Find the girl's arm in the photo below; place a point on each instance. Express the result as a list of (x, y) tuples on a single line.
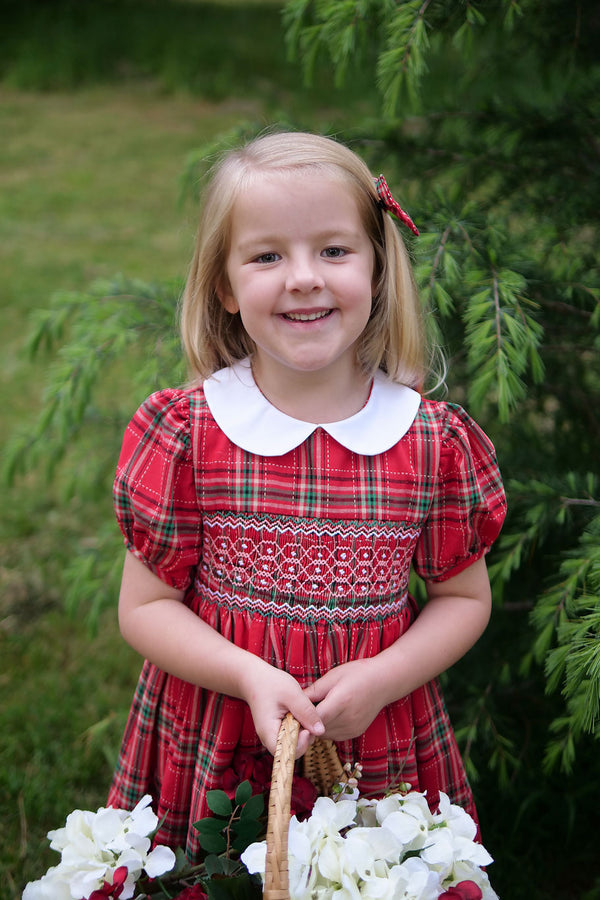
[(349, 697), (155, 622)]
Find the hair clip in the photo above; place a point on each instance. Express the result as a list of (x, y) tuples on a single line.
[(387, 202)]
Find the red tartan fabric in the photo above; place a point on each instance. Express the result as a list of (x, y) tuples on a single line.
[(303, 559)]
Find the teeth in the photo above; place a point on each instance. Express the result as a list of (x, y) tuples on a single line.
[(307, 317)]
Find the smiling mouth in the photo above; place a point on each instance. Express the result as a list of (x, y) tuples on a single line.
[(307, 317)]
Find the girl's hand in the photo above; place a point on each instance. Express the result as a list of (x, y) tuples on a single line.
[(155, 621), (271, 694), (347, 699)]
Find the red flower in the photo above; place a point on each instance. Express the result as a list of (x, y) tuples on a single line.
[(256, 767), (304, 794), (248, 766), (111, 890), (464, 890), (194, 892)]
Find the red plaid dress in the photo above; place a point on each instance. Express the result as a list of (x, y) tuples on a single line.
[(302, 558)]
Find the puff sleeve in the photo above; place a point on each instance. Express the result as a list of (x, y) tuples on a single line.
[(154, 491), (468, 504)]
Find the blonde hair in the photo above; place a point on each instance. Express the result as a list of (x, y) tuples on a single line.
[(394, 339)]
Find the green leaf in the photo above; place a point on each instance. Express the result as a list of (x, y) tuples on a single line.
[(243, 793), (213, 843), (210, 826), (253, 808), (248, 830), (241, 887), (246, 834), (219, 803), (213, 865)]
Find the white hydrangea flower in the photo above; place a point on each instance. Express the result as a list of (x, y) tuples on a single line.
[(388, 849), (94, 845), (383, 844), (414, 880), (464, 871)]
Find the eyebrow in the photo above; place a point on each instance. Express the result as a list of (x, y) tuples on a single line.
[(330, 235)]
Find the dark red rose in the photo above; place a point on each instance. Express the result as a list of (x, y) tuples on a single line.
[(246, 765), (464, 890), (195, 892), (304, 794), (256, 767)]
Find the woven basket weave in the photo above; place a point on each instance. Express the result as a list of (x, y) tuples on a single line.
[(323, 767)]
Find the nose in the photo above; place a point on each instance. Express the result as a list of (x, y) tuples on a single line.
[(303, 275)]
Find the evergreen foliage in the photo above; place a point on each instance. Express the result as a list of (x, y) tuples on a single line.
[(119, 332), (488, 123)]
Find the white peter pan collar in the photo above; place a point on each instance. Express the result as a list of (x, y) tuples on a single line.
[(254, 424)]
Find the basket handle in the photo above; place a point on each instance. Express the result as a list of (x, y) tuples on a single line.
[(276, 886)]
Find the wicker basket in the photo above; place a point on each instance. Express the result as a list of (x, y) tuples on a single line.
[(323, 767)]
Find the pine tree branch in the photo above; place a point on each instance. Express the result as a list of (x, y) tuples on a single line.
[(409, 44), (579, 501), (438, 256), (496, 296), (561, 306)]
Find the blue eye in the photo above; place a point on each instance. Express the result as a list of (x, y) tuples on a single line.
[(333, 252), (267, 258)]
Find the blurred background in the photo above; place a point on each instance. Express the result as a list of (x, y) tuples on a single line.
[(484, 117)]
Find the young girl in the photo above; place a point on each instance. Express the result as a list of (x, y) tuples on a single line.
[(273, 509)]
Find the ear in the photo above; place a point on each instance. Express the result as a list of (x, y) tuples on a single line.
[(227, 298)]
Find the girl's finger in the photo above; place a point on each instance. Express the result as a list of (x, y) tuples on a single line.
[(307, 715), (316, 691), (305, 739)]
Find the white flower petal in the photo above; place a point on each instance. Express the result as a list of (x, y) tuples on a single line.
[(299, 845), (334, 815), (386, 806), (349, 890), (107, 827), (474, 853), (142, 820), (141, 845), (383, 843), (160, 860), (329, 861), (254, 857), (82, 883), (411, 832), (358, 853), (52, 886), (129, 887), (415, 881), (141, 806), (439, 853)]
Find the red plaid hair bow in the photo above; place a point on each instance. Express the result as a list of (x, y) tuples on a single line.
[(387, 202)]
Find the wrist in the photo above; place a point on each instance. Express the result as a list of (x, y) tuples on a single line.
[(387, 679), (249, 678)]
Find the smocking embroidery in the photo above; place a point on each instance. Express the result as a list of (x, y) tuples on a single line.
[(284, 561)]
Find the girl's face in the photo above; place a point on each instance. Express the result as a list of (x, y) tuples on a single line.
[(300, 273)]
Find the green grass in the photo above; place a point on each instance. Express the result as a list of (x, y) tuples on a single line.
[(64, 699)]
